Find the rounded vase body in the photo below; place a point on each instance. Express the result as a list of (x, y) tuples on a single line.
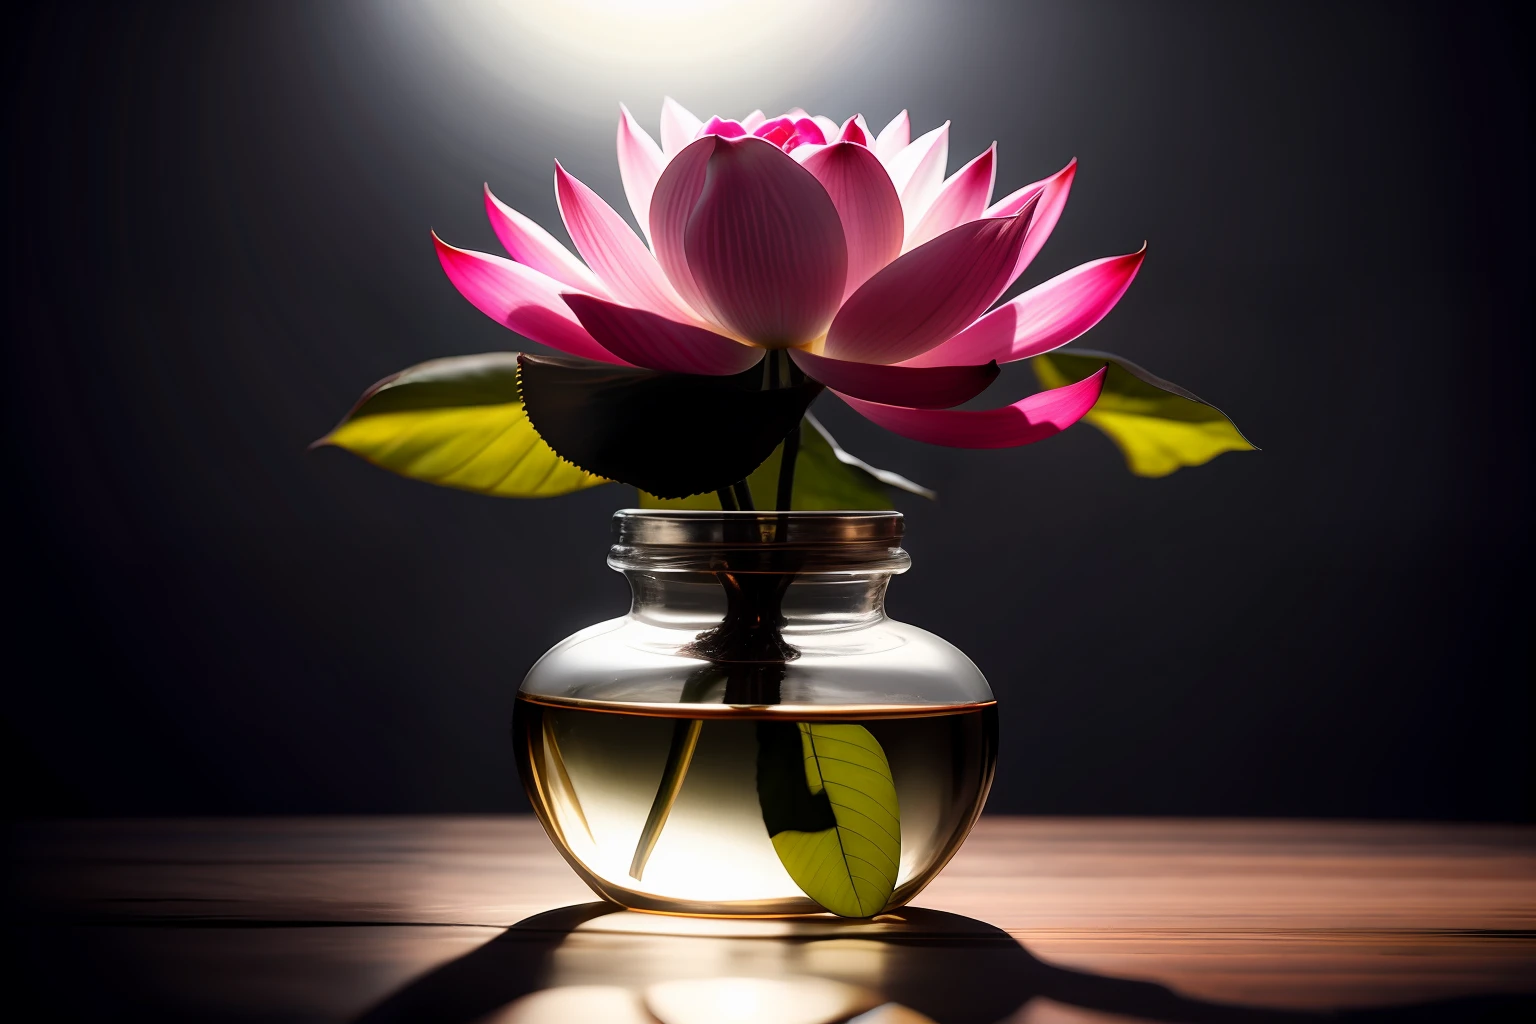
[(756, 737)]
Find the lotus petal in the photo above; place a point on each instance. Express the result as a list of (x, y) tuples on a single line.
[(918, 171), (777, 131), (519, 297), (866, 203), (657, 343), (764, 245), (853, 130), (1024, 422), (1046, 317), (532, 246), (640, 164), (813, 131), (935, 387), (613, 250), (677, 192), (930, 294), (894, 137), (752, 120), (829, 127), (723, 127), (1051, 194), (678, 127), (964, 197)]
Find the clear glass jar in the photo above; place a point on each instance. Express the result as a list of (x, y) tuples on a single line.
[(756, 737)]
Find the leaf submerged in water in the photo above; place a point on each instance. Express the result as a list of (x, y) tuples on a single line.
[(829, 804)]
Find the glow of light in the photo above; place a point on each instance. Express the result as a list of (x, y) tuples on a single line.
[(576, 54)]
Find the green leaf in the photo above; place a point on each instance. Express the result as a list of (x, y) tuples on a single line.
[(459, 423), (1159, 426), (671, 434), (829, 804), (826, 477)]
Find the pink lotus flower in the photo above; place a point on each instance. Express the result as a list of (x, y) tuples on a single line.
[(849, 251)]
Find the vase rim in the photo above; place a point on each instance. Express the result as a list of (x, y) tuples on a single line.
[(834, 540)]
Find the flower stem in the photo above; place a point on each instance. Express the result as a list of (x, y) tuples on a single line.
[(685, 738), (727, 499), (786, 488), (743, 495)]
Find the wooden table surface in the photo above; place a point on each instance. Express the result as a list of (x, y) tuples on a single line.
[(1037, 920)]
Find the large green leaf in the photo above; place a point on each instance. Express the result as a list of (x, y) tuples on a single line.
[(826, 477), (1159, 426), (671, 434), (460, 423), (829, 804)]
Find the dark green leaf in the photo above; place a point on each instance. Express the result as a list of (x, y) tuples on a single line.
[(826, 477), (667, 433)]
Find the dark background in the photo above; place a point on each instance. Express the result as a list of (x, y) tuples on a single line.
[(216, 228)]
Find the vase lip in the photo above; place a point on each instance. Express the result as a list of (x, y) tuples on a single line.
[(836, 541)]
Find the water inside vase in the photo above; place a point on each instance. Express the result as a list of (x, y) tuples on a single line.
[(593, 771)]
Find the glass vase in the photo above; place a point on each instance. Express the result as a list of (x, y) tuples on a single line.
[(756, 737)]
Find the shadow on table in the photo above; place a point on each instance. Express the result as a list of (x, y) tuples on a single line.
[(953, 969)]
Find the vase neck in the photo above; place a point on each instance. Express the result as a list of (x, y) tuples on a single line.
[(804, 602), (750, 576)]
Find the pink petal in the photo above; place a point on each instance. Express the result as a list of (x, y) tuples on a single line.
[(722, 127), (894, 137), (866, 203), (777, 131), (936, 387), (677, 192), (657, 343), (613, 250), (752, 120), (1047, 316), (640, 164), (532, 246), (930, 294), (764, 245), (826, 126), (853, 131), (1052, 193), (1024, 422), (810, 130), (964, 197), (519, 297), (918, 171), (678, 126), (804, 151)]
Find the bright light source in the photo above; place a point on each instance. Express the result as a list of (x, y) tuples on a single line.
[(579, 54)]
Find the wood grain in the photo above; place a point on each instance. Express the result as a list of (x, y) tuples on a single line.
[(1036, 920)]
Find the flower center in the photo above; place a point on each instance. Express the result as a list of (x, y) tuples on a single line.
[(789, 132)]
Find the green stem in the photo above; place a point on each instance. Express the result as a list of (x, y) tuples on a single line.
[(786, 489), (685, 739)]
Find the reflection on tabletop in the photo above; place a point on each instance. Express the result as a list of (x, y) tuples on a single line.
[(595, 962)]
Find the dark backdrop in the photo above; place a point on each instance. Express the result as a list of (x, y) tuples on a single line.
[(216, 228)]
